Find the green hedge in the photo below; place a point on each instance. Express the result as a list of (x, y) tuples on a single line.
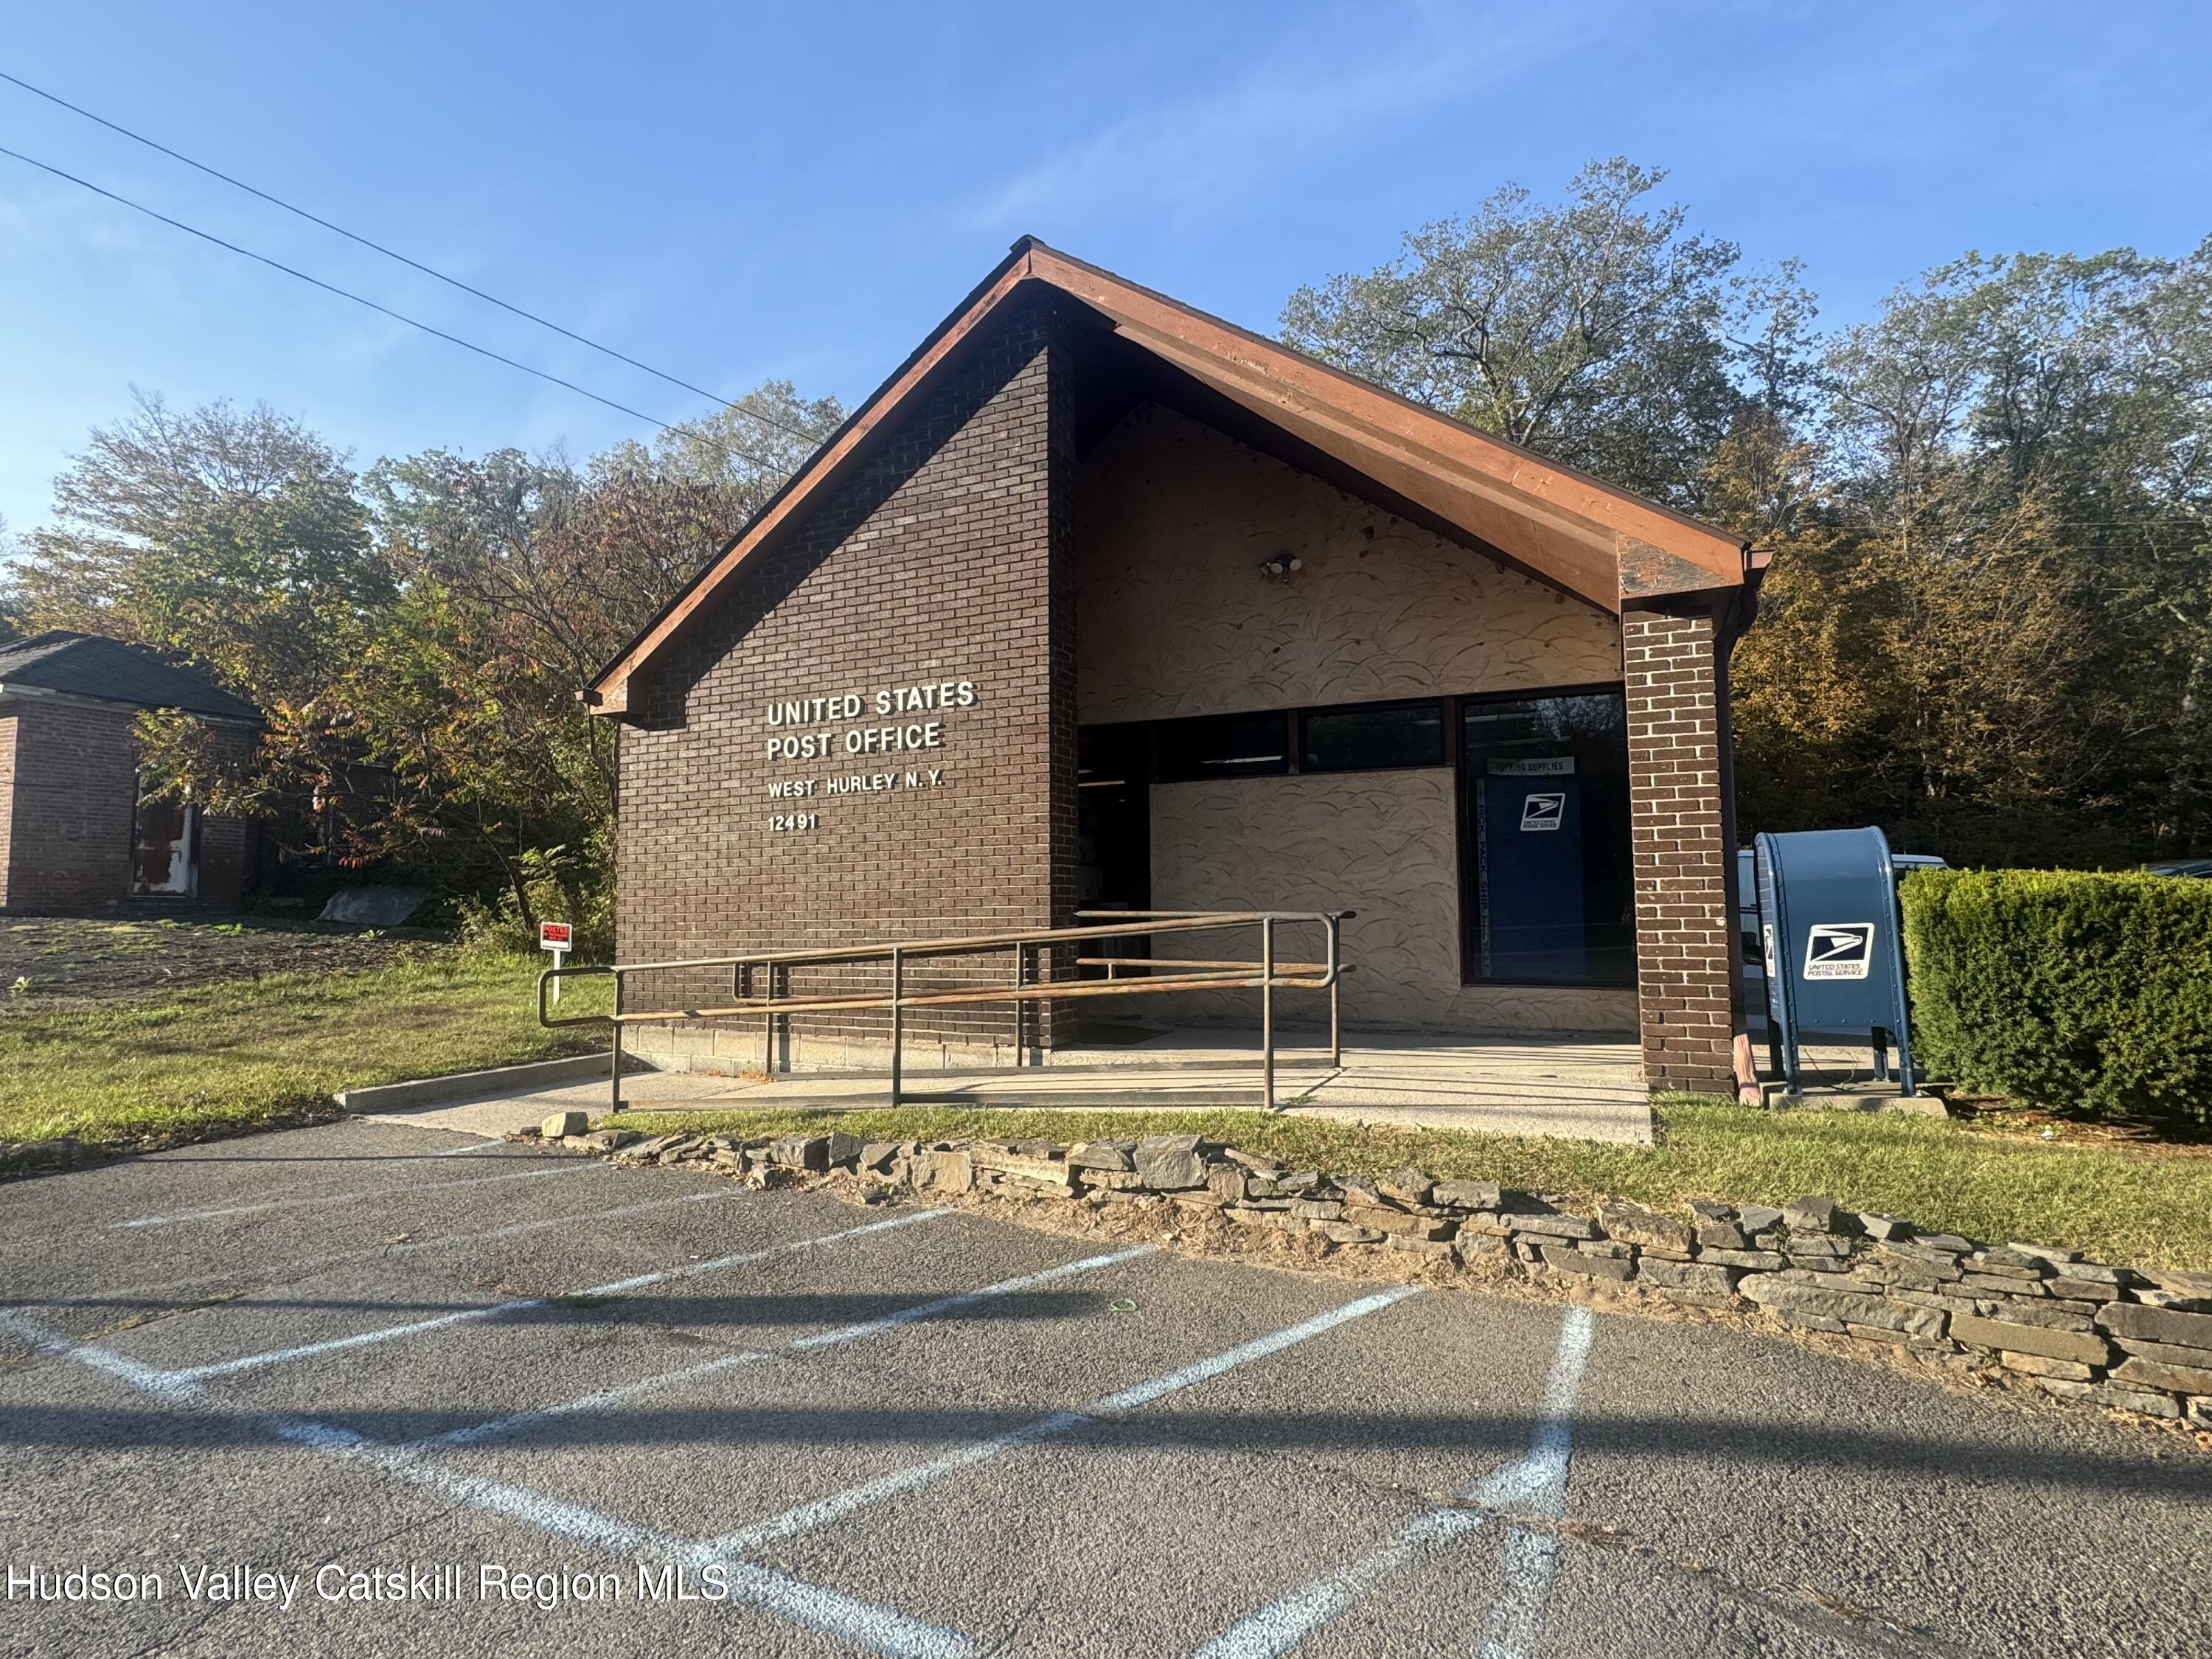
[(2079, 992)]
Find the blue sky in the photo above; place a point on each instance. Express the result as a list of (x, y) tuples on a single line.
[(735, 193)]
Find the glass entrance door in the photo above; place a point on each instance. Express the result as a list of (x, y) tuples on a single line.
[(1547, 896)]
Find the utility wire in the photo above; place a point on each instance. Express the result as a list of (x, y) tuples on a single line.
[(412, 265), (383, 310)]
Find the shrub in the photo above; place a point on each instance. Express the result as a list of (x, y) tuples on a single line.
[(2079, 992), (562, 887)]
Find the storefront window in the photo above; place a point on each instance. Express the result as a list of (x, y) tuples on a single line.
[(1224, 746), (1550, 894), (1372, 736)]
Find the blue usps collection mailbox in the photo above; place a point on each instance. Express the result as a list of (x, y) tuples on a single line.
[(1831, 935)]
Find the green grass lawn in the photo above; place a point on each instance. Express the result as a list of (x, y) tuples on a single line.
[(254, 1054), (233, 1056), (2143, 1205)]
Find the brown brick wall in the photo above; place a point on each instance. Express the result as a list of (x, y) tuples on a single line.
[(1688, 964), (74, 786), (69, 797), (944, 558)]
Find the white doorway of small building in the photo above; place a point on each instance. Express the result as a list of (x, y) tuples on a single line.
[(165, 848)]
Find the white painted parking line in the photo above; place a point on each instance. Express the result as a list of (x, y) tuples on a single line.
[(498, 1309), (1536, 1483), (296, 1266), (315, 1203), (1527, 1559), (824, 1511), (880, 1630), (500, 1428)]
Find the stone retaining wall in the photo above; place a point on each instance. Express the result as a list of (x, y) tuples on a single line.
[(2137, 1340)]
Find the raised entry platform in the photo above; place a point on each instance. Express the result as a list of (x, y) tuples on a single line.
[(1584, 1089)]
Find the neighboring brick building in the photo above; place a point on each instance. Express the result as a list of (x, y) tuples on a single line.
[(1103, 602), (74, 834)]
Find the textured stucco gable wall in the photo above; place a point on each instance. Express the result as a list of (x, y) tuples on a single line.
[(1172, 521)]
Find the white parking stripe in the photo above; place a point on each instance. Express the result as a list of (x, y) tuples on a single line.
[(341, 1198), (1528, 1559), (1534, 1483), (620, 1287), (295, 1267), (824, 1511), (500, 1428), (877, 1629)]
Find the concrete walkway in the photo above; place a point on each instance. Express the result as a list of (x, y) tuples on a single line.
[(1584, 1090)]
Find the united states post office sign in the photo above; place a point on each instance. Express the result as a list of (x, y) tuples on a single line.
[(888, 720), (900, 731)]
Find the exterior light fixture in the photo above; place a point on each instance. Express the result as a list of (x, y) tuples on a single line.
[(1278, 565)]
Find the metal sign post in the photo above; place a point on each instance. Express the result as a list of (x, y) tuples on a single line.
[(558, 937)]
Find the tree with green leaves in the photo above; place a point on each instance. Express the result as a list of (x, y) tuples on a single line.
[(1599, 332)]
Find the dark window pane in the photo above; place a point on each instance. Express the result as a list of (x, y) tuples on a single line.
[(1224, 746), (1551, 894), (1360, 739), (1113, 825)]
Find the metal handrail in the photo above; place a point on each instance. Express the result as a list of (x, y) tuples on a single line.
[(1207, 974)]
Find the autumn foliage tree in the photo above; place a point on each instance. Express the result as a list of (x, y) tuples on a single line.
[(415, 637), (1985, 624)]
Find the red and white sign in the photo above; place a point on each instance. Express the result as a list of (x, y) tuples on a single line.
[(555, 935)]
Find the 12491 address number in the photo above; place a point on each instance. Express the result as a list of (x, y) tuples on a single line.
[(779, 823)]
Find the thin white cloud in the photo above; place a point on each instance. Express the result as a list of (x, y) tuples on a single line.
[(1205, 153)]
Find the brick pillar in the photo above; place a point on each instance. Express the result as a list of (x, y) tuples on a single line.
[(1688, 957)]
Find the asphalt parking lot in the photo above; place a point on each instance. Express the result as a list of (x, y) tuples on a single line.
[(456, 1394)]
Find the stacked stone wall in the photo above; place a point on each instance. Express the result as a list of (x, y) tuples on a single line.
[(2131, 1339)]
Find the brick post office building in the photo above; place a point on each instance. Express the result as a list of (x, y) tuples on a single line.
[(1100, 601)]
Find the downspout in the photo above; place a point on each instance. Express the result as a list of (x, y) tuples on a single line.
[(1733, 622)]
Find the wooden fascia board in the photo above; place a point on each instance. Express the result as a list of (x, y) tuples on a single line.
[(611, 689), (1295, 381)]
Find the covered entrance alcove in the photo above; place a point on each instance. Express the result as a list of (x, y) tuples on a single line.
[(1241, 632)]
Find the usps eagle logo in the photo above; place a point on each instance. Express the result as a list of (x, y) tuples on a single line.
[(1543, 812), (1840, 950)]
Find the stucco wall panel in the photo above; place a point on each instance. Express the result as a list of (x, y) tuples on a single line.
[(1381, 843), (1173, 521)]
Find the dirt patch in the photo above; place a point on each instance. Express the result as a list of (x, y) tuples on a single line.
[(1997, 1115), (49, 964)]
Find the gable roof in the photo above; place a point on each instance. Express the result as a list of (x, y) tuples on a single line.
[(107, 670), (1565, 527)]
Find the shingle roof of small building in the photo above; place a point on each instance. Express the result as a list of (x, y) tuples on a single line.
[(88, 665)]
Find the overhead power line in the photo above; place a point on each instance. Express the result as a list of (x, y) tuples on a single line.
[(411, 263), (386, 311)]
